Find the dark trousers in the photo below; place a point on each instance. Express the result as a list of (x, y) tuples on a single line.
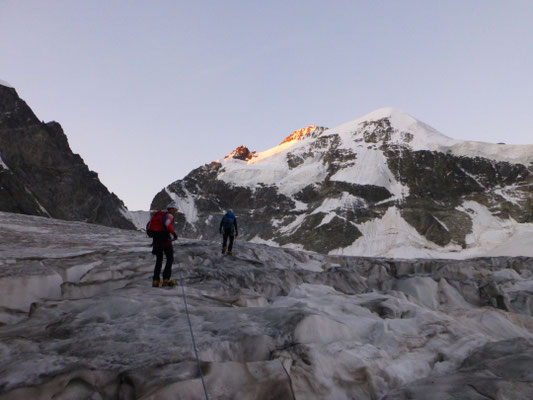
[(227, 234), (169, 254)]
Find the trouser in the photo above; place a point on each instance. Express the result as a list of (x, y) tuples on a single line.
[(169, 254), (227, 234)]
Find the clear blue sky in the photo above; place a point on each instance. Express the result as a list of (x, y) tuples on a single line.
[(146, 91)]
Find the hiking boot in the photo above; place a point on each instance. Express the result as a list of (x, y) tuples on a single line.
[(230, 253), (168, 283), (155, 283), (224, 250)]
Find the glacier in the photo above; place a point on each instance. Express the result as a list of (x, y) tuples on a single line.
[(80, 320)]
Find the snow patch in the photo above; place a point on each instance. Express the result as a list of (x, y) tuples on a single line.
[(138, 218), (327, 219), (294, 224), (441, 224), (391, 236), (273, 171), (371, 168), (510, 194), (185, 205), (493, 236), (346, 201), (2, 163), (513, 153), (37, 201), (257, 239), (299, 205)]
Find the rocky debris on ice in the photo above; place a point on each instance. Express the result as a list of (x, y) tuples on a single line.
[(81, 320)]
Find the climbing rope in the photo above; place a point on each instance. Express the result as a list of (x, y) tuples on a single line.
[(192, 334)]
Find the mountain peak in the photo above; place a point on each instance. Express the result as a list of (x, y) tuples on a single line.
[(399, 119), (241, 153), (6, 84), (300, 133), (393, 125)]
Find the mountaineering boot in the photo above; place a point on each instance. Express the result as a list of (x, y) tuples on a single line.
[(230, 253), (168, 283), (224, 250), (155, 283)]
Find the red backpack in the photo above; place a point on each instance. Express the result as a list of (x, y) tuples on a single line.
[(156, 223)]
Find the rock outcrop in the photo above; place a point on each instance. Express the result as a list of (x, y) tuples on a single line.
[(241, 153), (40, 175)]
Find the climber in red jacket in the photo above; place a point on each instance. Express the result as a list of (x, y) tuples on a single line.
[(161, 229)]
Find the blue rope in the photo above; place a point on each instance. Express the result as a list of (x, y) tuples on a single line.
[(192, 334)]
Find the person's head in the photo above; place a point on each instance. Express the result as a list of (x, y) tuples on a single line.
[(230, 212), (172, 208)]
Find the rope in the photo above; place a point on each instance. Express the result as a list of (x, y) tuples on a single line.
[(192, 334)]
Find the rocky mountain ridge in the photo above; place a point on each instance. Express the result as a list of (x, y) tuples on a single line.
[(385, 184), (39, 174)]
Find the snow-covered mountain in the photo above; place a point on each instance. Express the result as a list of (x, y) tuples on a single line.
[(385, 184), (80, 320), (39, 174)]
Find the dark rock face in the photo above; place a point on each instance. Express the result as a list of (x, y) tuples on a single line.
[(428, 189), (255, 209), (43, 176), (439, 182)]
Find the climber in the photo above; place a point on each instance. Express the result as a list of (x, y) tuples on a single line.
[(228, 229), (161, 229)]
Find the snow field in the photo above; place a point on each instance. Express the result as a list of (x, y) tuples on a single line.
[(389, 236)]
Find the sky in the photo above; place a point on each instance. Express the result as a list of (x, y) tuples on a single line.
[(148, 91)]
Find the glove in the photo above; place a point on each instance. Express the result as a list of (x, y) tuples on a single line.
[(175, 236)]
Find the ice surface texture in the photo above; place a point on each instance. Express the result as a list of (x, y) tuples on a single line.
[(81, 320)]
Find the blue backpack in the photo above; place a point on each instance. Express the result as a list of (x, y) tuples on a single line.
[(228, 220)]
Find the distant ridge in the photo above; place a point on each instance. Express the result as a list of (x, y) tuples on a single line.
[(39, 174)]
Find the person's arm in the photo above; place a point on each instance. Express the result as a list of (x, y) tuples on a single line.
[(169, 224), (236, 230)]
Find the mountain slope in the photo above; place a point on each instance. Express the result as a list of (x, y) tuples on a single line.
[(384, 184), (40, 175)]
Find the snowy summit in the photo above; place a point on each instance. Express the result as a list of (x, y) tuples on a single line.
[(385, 184)]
